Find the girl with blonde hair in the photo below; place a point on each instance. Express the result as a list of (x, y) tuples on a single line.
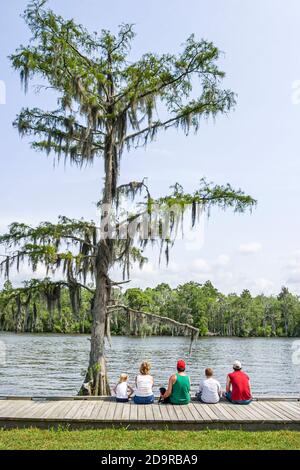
[(122, 390)]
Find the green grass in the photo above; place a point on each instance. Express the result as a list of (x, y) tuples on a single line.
[(122, 439)]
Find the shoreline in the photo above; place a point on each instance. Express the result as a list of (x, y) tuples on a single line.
[(212, 336)]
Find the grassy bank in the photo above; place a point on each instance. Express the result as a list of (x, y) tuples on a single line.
[(110, 439)]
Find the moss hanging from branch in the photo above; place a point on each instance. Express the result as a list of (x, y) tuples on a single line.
[(138, 319), (52, 295)]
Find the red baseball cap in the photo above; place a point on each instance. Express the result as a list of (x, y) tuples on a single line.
[(180, 364)]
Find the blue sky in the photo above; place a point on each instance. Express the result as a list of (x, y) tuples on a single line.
[(256, 147)]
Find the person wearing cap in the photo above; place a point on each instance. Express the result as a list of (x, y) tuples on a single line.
[(238, 388), (178, 392)]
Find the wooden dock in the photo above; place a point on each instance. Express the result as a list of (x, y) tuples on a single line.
[(74, 413)]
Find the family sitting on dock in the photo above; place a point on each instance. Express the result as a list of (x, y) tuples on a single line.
[(238, 388)]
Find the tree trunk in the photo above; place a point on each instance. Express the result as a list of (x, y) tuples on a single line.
[(97, 379), (96, 382)]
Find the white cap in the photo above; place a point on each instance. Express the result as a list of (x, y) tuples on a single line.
[(237, 365)]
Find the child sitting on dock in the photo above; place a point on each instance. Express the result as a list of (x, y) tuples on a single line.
[(122, 390), (209, 389)]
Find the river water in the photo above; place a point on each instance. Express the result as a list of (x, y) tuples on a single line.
[(48, 365)]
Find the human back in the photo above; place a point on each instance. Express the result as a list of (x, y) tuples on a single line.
[(123, 390), (209, 388), (144, 384), (178, 392), (181, 390), (240, 385)]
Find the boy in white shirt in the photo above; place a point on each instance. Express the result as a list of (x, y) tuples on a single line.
[(209, 389)]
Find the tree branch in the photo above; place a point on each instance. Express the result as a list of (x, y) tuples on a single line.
[(184, 327), (166, 124)]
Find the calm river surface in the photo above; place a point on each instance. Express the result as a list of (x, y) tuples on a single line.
[(47, 365)]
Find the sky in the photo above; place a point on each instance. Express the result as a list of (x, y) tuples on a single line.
[(255, 147)]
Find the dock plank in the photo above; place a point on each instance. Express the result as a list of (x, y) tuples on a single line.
[(111, 411), (126, 412), (98, 410), (105, 411), (179, 413), (73, 407), (149, 413), (157, 416), (261, 414), (164, 413), (141, 412), (204, 416), (134, 412), (85, 411), (60, 411), (282, 414), (11, 408), (172, 413), (264, 412), (293, 412), (119, 411), (210, 412), (244, 413), (187, 411), (222, 412), (293, 406), (40, 410)]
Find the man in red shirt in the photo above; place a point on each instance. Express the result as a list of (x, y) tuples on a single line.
[(238, 388)]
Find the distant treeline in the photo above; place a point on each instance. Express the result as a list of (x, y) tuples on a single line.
[(200, 305)]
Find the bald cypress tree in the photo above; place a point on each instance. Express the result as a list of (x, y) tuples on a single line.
[(109, 104)]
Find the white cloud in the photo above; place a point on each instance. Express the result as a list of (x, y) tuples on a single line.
[(225, 276), (4, 223), (200, 265), (26, 273), (263, 285), (293, 275), (296, 254), (250, 248), (294, 278), (293, 264), (173, 268), (147, 272), (222, 260), (161, 151), (174, 274), (292, 268)]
